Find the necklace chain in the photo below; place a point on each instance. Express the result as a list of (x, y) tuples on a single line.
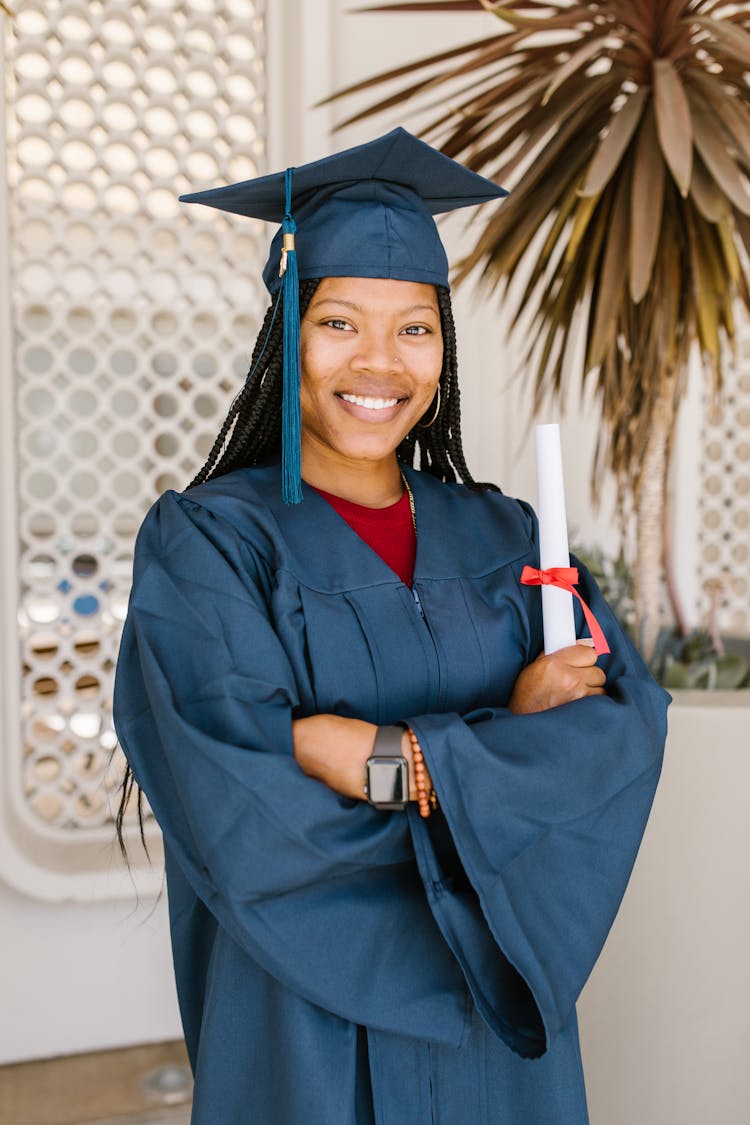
[(412, 509)]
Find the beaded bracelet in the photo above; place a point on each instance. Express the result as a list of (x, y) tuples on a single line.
[(426, 801)]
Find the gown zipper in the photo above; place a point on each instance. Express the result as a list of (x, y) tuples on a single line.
[(438, 668)]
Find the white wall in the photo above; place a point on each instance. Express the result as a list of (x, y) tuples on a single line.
[(664, 1018), (81, 977)]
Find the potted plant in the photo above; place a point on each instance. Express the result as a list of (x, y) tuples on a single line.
[(623, 128), (698, 660)]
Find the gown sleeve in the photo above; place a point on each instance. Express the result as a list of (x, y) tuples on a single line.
[(545, 813), (515, 884), (320, 890)]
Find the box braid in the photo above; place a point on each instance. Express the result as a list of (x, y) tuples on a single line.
[(439, 442), (251, 432)]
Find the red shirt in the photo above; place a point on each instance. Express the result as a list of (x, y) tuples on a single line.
[(389, 531)]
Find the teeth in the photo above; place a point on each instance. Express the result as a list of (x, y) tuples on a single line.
[(370, 403)]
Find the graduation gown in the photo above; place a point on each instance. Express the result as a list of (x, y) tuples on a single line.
[(335, 963)]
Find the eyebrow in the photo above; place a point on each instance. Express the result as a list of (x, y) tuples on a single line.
[(358, 308)]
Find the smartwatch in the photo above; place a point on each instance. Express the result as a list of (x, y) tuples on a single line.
[(387, 785)]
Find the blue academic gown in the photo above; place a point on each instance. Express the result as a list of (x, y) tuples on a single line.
[(337, 965)]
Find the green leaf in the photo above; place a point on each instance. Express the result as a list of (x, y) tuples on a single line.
[(612, 277), (673, 11), (702, 675), (706, 194), (728, 107), (676, 675), (583, 214), (711, 145), (647, 263), (426, 6), (635, 14), (729, 250), (508, 15), (612, 147), (743, 229), (673, 122), (704, 290), (578, 59), (567, 145), (646, 199), (560, 220), (540, 125), (733, 39), (731, 672)]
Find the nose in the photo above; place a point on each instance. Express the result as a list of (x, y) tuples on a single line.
[(376, 352)]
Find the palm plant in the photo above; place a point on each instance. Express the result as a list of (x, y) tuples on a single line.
[(623, 127)]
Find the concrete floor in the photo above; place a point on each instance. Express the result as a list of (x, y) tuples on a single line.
[(145, 1085), (178, 1115)]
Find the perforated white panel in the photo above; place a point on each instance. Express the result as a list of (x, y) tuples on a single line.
[(724, 568), (133, 319)]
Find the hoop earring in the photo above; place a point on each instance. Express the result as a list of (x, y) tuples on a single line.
[(426, 425)]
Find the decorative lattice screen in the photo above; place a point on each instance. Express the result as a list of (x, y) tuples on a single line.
[(724, 566), (133, 317)]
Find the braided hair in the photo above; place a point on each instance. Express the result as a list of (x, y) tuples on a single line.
[(439, 442), (251, 433)]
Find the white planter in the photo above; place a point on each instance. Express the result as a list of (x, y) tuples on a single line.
[(665, 1016)]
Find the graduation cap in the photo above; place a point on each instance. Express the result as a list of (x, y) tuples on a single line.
[(364, 212)]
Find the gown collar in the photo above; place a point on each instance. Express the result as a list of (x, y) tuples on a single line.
[(459, 533)]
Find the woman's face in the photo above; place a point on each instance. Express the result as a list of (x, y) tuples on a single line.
[(372, 352)]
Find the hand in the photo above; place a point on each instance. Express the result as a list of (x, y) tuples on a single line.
[(568, 674), (335, 750)]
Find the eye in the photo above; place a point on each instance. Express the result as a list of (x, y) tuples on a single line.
[(339, 325), (415, 330)]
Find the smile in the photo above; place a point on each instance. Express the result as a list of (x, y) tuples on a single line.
[(370, 403)]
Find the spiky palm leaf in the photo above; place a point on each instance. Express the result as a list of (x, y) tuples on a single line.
[(623, 127)]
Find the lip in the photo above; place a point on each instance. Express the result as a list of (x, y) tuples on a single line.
[(366, 414)]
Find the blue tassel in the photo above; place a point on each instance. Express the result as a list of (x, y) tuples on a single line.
[(291, 480)]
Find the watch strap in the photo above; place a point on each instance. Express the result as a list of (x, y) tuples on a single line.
[(388, 742), (386, 752)]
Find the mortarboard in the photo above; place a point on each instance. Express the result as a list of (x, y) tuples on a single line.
[(364, 212)]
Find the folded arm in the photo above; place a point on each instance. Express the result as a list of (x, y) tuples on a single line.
[(335, 750)]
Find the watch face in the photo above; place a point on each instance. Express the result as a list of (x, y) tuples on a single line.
[(387, 781)]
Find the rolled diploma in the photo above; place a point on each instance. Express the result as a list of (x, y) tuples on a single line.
[(557, 605)]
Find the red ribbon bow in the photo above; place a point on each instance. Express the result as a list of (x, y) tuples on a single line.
[(565, 578)]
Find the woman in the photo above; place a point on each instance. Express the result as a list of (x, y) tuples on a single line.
[(396, 835)]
